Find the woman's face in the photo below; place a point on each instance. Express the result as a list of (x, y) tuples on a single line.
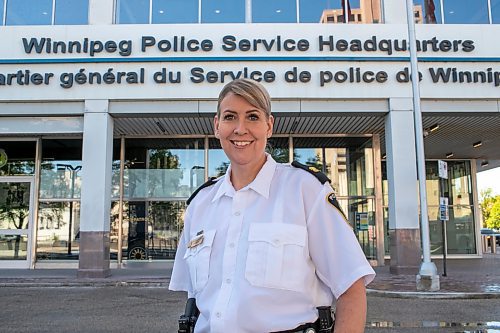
[(243, 131)]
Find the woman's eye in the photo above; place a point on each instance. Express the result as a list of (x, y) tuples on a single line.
[(228, 117), (253, 117)]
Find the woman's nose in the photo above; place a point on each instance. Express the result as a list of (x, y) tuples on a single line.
[(240, 128)]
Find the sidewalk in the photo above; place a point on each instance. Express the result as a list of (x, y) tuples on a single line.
[(466, 278)]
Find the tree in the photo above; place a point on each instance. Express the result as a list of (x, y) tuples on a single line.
[(487, 203), (493, 220)]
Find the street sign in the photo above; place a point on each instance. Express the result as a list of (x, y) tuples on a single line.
[(443, 209), (362, 221), (443, 169)]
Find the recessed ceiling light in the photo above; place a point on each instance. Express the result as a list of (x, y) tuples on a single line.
[(434, 127), (45, 13), (278, 10), (484, 163), (477, 144), (161, 11), (449, 155), (217, 11)]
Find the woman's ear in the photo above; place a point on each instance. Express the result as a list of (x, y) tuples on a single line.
[(216, 127), (270, 124)]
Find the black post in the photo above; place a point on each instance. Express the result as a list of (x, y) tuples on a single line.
[(443, 227)]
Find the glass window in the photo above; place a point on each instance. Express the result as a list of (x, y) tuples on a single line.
[(175, 11), (171, 168), (223, 11), (72, 12), (495, 11), (278, 11), (217, 159), (427, 11), (1, 11), (348, 162), (29, 12), (465, 11), (60, 177), (58, 235), (13, 247), (17, 158), (325, 11), (132, 11)]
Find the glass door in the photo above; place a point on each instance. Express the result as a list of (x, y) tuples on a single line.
[(16, 219)]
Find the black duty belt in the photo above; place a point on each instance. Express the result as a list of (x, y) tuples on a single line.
[(324, 323), (305, 328)]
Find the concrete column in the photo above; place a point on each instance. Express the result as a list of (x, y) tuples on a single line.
[(394, 11), (404, 229), (96, 190), (101, 12)]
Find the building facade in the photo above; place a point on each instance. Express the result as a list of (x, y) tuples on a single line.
[(106, 112)]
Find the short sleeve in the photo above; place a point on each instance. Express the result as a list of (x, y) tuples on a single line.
[(181, 279), (333, 246)]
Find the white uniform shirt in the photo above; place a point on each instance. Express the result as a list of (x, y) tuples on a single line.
[(269, 255)]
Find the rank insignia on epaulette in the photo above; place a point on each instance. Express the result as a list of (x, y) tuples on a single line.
[(313, 169), (332, 199)]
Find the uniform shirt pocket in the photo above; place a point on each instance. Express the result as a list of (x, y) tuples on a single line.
[(276, 256), (198, 259)]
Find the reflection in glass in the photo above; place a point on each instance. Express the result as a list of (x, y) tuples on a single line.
[(1, 11), (360, 213), (460, 234), (58, 235), (60, 174), (278, 11), (427, 11), (29, 12), (495, 11), (151, 229), (175, 11), (14, 205), (162, 169), (60, 179), (13, 247), (465, 11), (20, 158), (71, 12), (132, 11), (223, 11)]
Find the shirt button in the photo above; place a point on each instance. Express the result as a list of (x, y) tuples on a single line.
[(231, 245), (228, 281), (237, 213), (218, 314), (276, 241)]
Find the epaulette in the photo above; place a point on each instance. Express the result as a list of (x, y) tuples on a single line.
[(209, 182), (313, 171)]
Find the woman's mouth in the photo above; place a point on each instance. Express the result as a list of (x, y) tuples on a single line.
[(241, 144)]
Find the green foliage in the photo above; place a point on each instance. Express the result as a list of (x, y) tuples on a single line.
[(493, 220), (490, 208)]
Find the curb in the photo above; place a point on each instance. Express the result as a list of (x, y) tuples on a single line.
[(432, 295)]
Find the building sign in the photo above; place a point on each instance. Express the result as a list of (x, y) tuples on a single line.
[(361, 221), (304, 61), (442, 169), (443, 209)]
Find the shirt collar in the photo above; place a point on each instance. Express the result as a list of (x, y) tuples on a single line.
[(261, 184)]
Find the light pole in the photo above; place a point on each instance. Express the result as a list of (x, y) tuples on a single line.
[(427, 278), (73, 172)]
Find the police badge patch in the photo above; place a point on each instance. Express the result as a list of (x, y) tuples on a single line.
[(332, 199)]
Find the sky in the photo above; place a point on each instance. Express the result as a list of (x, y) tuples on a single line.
[(489, 178)]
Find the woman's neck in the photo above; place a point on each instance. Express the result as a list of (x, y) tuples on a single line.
[(242, 175)]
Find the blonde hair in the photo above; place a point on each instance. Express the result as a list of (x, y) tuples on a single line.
[(251, 91)]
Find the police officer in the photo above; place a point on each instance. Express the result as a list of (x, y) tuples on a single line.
[(266, 244)]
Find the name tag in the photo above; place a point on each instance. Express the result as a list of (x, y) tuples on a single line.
[(196, 241)]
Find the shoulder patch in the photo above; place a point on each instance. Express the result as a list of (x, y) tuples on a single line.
[(209, 182), (332, 199), (312, 170)]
